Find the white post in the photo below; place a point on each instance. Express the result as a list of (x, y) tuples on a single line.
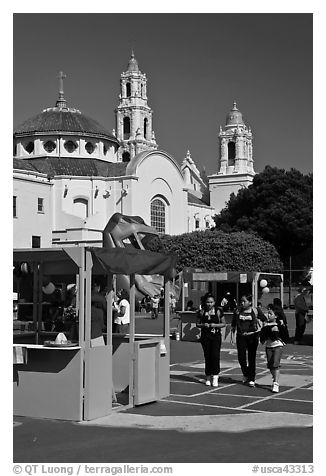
[(132, 340)]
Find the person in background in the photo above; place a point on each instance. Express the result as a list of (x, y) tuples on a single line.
[(246, 321), (98, 315), (301, 310), (210, 320), (228, 303), (122, 316), (272, 336), (203, 300), (190, 306), (173, 303), (143, 303), (161, 299), (155, 302)]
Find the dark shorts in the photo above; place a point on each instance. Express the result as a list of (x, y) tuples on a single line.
[(274, 355)]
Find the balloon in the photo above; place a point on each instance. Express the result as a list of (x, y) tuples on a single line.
[(24, 268), (49, 288), (263, 283), (265, 290)]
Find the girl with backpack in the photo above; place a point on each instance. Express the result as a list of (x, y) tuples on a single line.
[(247, 322), (210, 320), (274, 335)]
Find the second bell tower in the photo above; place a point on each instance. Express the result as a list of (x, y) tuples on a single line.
[(236, 164), (133, 115)]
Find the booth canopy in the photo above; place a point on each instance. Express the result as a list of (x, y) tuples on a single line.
[(133, 261)]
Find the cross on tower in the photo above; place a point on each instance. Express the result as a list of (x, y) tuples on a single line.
[(61, 77)]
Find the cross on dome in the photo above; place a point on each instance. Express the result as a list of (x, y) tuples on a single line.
[(61, 102)]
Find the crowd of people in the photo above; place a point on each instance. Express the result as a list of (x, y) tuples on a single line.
[(250, 325), (156, 303)]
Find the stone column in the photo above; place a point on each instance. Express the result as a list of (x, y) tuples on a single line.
[(223, 155), (123, 89)]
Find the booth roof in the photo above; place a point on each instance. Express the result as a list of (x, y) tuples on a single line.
[(133, 261)]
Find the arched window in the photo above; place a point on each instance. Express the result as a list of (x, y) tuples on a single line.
[(126, 157), (231, 153), (126, 128), (158, 214), (89, 147), (128, 89), (70, 146), (81, 207), (29, 147), (145, 127), (49, 146)]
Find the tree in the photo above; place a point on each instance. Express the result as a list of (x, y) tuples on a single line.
[(277, 206), (219, 251)]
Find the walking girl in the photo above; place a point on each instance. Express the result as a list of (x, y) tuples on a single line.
[(273, 335), (210, 320), (246, 321)]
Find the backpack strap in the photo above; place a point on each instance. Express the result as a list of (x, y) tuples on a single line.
[(258, 323)]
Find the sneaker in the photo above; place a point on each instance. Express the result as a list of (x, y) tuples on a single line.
[(275, 387), (215, 381), (251, 383), (208, 382), (245, 380)]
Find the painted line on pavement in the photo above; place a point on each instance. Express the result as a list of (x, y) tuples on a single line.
[(269, 397), (216, 406)]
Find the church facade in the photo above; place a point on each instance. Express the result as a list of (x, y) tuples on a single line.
[(71, 174)]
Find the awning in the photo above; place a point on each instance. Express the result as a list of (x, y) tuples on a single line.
[(133, 261)]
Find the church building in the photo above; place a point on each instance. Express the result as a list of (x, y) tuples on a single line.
[(71, 174)]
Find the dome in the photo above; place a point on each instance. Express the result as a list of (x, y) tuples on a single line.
[(133, 64), (234, 117), (63, 121)]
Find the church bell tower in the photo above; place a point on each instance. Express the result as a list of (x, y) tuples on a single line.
[(133, 115), (236, 165)]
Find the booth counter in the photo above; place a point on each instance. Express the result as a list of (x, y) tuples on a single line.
[(80, 382)]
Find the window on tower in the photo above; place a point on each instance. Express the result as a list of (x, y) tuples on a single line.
[(145, 127), (126, 157), (126, 128), (231, 153), (128, 90)]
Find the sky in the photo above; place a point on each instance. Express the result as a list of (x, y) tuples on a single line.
[(196, 66)]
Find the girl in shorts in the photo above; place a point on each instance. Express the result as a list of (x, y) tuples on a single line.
[(271, 335)]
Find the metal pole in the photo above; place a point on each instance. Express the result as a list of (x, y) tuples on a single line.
[(109, 299), (290, 281), (166, 318), (183, 296), (35, 305)]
